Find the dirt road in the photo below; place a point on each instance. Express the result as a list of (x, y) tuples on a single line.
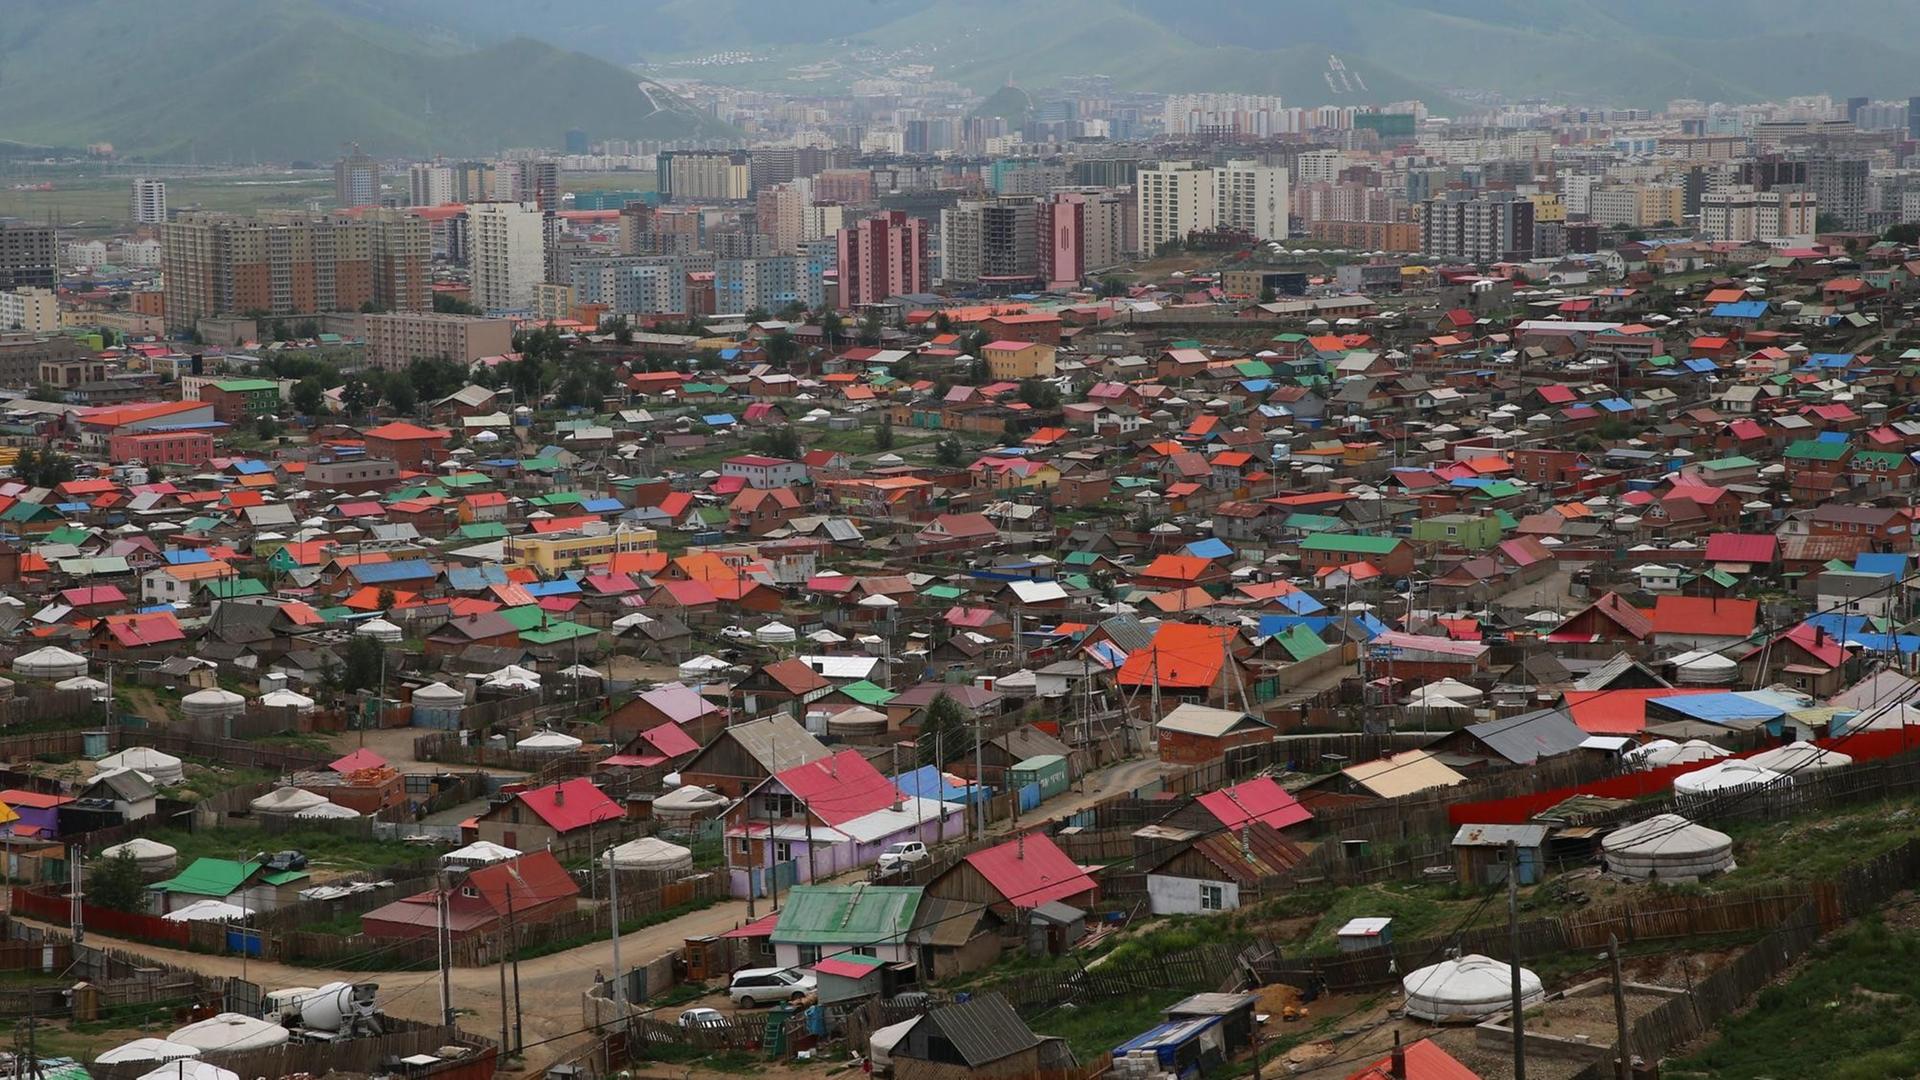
[(550, 986)]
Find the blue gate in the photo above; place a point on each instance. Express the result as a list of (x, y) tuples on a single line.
[(241, 939), (1029, 797)]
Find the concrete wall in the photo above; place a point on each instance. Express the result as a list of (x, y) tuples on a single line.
[(1181, 895)]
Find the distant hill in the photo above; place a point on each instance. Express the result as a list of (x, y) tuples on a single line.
[(279, 79), (1632, 52)]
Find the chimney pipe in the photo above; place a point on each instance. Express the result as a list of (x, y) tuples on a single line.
[(559, 795), (1398, 1070)]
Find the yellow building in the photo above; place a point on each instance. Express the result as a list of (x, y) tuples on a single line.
[(556, 552), (1013, 360), (1547, 207)]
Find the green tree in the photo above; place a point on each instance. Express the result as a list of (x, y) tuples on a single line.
[(943, 734), (400, 394), (833, 328), (42, 468), (883, 435), (622, 330), (1040, 393), (355, 396), (942, 323), (1906, 232), (46, 391), (453, 305), (368, 307), (308, 330), (385, 599), (115, 882), (362, 667), (949, 453), (266, 428), (870, 327), (1112, 286), (782, 349), (780, 442), (309, 397), (1267, 295)]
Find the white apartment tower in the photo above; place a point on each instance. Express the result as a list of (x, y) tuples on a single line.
[(147, 204), (430, 185), (1251, 197), (1175, 198), (508, 252)]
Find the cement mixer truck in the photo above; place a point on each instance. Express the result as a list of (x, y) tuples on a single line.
[(336, 1010)]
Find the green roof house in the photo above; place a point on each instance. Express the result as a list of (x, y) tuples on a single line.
[(823, 920)]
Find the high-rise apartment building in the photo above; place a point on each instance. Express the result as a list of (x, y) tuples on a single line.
[(1062, 224), (29, 255), (394, 341), (766, 284), (32, 310), (1252, 198), (1176, 200), (790, 214), (430, 185), (291, 264), (1742, 214), (632, 284), (1477, 227), (401, 249), (147, 202), (481, 181), (537, 181), (356, 179), (882, 257), (1840, 187), (960, 243), (704, 175), (506, 246)]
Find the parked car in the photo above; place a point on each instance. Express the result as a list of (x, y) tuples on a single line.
[(903, 854), (703, 1018), (768, 986)]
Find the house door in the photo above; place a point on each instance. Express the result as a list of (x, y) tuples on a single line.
[(510, 838)]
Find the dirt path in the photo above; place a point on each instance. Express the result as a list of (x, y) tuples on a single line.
[(396, 745), (550, 986)]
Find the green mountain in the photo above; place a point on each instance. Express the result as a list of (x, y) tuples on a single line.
[(1639, 52), (279, 79)]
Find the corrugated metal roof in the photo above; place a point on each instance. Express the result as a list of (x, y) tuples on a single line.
[(847, 914), (1500, 835), (983, 1029)]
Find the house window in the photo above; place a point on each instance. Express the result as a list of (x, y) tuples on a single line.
[(746, 846), (809, 954), (469, 892), (1212, 898), (782, 851)]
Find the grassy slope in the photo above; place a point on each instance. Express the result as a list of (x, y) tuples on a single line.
[(284, 78), (1850, 1014)]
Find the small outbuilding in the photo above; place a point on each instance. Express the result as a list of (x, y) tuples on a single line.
[(1480, 853)]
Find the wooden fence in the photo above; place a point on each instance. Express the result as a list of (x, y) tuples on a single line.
[(41, 744), (368, 1055), (1671, 917), (235, 752), (479, 950)]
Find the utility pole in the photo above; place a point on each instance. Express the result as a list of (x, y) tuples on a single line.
[(1622, 1054), (500, 943), (619, 975), (76, 856), (1513, 960), (513, 929), (445, 941), (980, 775)]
